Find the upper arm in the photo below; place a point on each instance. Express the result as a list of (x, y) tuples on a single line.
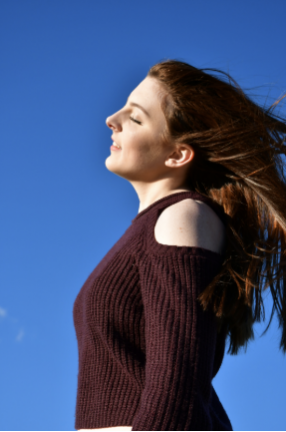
[(190, 223)]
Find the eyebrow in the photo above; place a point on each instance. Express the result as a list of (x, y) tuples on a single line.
[(139, 106)]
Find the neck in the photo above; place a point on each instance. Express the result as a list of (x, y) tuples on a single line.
[(148, 193)]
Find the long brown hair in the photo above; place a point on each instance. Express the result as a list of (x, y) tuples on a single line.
[(238, 163)]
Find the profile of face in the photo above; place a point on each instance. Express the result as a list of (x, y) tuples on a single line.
[(140, 152)]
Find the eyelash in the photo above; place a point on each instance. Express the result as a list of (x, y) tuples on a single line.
[(136, 121)]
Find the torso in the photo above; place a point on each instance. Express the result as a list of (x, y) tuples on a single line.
[(98, 291)]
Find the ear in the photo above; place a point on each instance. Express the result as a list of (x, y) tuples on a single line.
[(182, 155)]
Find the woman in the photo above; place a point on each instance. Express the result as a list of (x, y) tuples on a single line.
[(152, 318)]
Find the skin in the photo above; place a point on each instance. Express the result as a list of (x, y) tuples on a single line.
[(154, 168), (157, 166)]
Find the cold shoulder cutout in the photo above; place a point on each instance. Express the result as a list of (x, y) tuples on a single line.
[(190, 223)]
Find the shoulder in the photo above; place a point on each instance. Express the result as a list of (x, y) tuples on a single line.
[(190, 223)]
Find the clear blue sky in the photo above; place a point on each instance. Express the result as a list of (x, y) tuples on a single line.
[(65, 66)]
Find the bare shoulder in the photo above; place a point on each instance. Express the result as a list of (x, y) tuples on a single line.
[(190, 223)]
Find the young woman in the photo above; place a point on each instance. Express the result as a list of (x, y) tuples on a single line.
[(153, 317)]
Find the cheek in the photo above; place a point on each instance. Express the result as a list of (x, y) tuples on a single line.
[(146, 151), (143, 149), (136, 146)]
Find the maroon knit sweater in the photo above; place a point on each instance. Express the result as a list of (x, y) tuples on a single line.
[(147, 351)]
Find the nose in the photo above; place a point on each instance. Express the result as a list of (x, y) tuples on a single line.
[(113, 122)]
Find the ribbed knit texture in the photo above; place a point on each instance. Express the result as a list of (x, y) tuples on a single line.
[(147, 351)]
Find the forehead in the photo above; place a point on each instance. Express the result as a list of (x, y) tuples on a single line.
[(149, 92)]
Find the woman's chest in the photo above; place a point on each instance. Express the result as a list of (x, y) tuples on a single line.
[(109, 306)]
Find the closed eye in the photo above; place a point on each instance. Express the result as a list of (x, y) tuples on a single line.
[(136, 121)]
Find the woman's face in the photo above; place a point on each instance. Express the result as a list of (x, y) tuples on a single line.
[(139, 150)]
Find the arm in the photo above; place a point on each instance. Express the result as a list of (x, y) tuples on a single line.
[(180, 337), (180, 343)]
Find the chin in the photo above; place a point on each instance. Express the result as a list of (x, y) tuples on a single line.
[(108, 163), (111, 166), (127, 174)]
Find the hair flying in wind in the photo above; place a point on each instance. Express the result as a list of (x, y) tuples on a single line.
[(238, 163)]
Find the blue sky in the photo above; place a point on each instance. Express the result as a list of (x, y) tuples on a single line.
[(66, 65)]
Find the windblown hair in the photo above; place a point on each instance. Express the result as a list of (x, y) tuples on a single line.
[(238, 163)]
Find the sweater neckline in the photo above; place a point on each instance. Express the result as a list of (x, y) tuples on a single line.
[(161, 200)]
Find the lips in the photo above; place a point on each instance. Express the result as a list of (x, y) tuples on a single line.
[(113, 148), (115, 144)]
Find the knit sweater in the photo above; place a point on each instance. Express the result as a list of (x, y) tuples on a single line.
[(147, 350)]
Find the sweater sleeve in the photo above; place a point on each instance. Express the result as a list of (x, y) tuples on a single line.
[(180, 340)]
